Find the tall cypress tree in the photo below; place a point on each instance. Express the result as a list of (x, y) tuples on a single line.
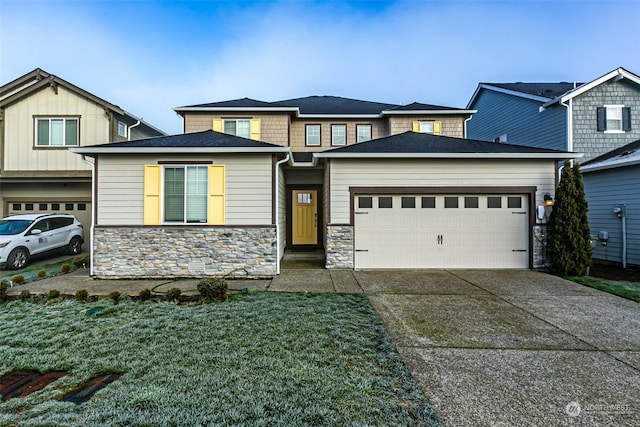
[(569, 239)]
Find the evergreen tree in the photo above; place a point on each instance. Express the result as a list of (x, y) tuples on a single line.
[(569, 238)]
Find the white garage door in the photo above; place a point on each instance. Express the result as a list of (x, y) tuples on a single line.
[(441, 231), (81, 210)]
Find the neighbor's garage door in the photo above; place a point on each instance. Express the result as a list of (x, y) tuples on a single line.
[(81, 210), (441, 231)]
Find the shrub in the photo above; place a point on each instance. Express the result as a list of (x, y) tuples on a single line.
[(18, 279), (82, 295), (64, 268), (42, 273), (25, 295), (214, 289), (145, 294), (114, 296), (53, 294), (174, 294), (4, 286), (82, 262)]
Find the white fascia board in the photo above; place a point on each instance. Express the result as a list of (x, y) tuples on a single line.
[(619, 73), (611, 165), (126, 113), (339, 116), (551, 156), (427, 112), (176, 150), (247, 109), (511, 92)]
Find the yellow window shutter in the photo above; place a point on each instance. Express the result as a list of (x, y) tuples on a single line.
[(437, 128), (152, 181), (255, 129), (216, 194), (217, 125), (416, 126)]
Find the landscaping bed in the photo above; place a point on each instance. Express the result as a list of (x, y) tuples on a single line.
[(261, 359)]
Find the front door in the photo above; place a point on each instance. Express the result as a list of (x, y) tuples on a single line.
[(305, 217)]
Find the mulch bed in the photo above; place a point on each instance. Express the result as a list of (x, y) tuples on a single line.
[(615, 272)]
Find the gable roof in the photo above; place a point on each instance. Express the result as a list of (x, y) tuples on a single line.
[(627, 155), (423, 145), (324, 106), (207, 141), (617, 74), (38, 79), (541, 92)]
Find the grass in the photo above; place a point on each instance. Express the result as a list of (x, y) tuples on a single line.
[(263, 359), (629, 290), (30, 272)]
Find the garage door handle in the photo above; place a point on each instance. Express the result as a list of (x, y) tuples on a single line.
[(361, 213), (519, 213), (518, 250), (362, 250), (440, 239)]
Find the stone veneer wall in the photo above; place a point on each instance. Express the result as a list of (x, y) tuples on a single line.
[(540, 253), (121, 252), (339, 246)]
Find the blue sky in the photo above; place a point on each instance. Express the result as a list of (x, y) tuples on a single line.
[(149, 56)]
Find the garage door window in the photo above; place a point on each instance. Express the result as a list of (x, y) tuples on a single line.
[(408, 202), (494, 202), (365, 202), (471, 203), (514, 202), (451, 203), (428, 202), (385, 202)]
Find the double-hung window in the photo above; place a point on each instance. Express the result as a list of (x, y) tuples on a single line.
[(613, 118), (338, 134), (57, 131), (363, 133), (185, 194), (312, 137), (428, 126), (122, 129), (237, 127)]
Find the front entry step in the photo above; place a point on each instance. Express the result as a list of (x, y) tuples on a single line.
[(294, 259)]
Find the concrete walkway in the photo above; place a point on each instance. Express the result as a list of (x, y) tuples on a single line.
[(487, 347)]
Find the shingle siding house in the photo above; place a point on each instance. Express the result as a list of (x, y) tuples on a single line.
[(41, 117), (371, 185), (613, 181), (591, 118)]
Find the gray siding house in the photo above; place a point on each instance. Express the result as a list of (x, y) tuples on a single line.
[(612, 186), (591, 118)]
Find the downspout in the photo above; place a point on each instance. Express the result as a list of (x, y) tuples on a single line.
[(93, 211), (276, 171), (131, 127), (465, 126)]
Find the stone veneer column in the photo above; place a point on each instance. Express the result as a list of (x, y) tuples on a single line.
[(339, 246), (121, 252)]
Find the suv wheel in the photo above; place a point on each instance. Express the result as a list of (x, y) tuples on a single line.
[(75, 246), (17, 259)]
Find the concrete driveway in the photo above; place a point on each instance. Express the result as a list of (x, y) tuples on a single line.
[(512, 347)]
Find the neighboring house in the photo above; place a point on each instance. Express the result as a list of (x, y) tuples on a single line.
[(207, 202), (612, 186), (591, 118), (41, 117)]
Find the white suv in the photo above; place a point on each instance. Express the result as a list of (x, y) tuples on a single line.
[(22, 236)]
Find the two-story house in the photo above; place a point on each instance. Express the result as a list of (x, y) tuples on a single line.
[(41, 117), (591, 118), (371, 185)]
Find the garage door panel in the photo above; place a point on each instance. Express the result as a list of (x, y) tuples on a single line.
[(475, 236)]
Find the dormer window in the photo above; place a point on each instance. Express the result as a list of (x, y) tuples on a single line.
[(57, 131)]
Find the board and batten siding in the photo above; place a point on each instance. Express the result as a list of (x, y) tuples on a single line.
[(518, 118), (605, 189), (248, 187), (20, 153), (433, 173)]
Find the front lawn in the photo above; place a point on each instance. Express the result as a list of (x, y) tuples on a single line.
[(263, 359), (629, 290)]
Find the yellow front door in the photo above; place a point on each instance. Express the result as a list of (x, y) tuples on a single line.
[(305, 217)]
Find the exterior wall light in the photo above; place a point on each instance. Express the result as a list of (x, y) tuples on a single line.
[(548, 200)]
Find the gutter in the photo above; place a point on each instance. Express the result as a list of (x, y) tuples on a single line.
[(554, 156), (277, 189), (93, 211)]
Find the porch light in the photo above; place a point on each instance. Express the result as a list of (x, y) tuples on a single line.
[(548, 200)]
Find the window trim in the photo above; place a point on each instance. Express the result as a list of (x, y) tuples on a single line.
[(422, 122), (333, 134), (361, 126), (38, 118), (122, 125), (236, 120), (306, 134), (624, 121), (184, 195)]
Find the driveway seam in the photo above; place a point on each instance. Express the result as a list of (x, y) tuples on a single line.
[(595, 347)]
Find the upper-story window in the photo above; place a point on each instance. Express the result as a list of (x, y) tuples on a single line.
[(428, 126), (338, 134), (237, 127), (502, 138), (363, 133), (122, 129), (614, 118), (57, 131), (312, 137)]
